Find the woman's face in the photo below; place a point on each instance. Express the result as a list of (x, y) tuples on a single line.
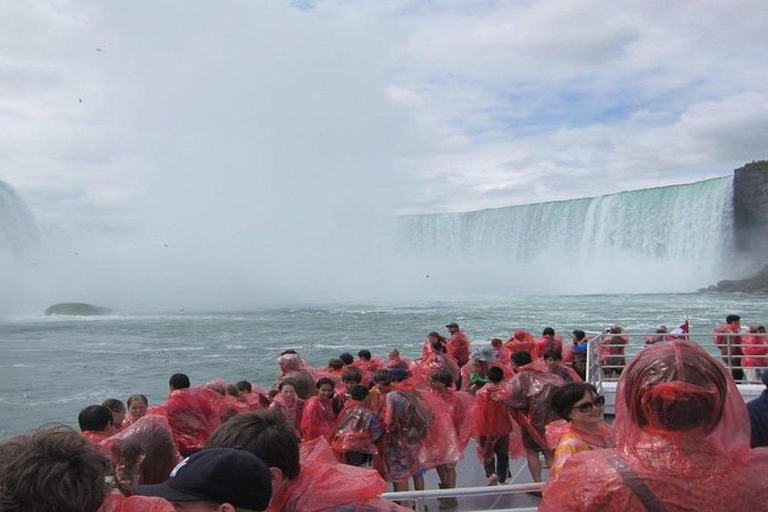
[(118, 417), (137, 409), (288, 393), (325, 392), (588, 411)]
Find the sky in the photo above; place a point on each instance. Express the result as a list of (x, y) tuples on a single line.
[(212, 122)]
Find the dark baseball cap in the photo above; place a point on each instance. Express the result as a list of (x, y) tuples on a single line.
[(452, 324), (220, 475)]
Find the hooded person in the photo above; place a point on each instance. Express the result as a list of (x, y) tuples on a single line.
[(357, 430), (612, 347), (473, 374), (318, 419), (682, 443), (193, 413), (144, 453), (754, 346), (459, 345), (529, 394), (293, 367), (521, 341), (546, 342)]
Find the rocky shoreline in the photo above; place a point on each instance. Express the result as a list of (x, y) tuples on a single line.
[(756, 283)]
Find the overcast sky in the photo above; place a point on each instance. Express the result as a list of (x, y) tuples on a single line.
[(115, 113)]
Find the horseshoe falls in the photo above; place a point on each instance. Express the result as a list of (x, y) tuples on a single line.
[(667, 239)]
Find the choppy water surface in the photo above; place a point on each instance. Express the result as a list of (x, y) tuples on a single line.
[(51, 367)]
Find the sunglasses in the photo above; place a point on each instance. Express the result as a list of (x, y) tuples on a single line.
[(599, 401)]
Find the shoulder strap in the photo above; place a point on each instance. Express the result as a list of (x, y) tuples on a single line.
[(637, 485)]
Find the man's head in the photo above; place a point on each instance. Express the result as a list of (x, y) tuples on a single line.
[(548, 331), (553, 357), (244, 387), (52, 468), (365, 355), (266, 435), (347, 358), (95, 418), (579, 335), (358, 393), (335, 364), (351, 377), (441, 379), (495, 374), (216, 480), (178, 381), (734, 320), (453, 327), (521, 358)]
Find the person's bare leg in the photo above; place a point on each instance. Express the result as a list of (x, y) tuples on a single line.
[(534, 466), (450, 474), (401, 487), (418, 482)]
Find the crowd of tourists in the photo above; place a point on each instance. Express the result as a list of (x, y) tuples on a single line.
[(331, 438)]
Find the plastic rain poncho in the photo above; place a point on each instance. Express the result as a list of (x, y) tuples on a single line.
[(325, 485), (193, 414), (358, 429), (408, 421), (682, 434), (529, 394), (318, 419), (144, 453)]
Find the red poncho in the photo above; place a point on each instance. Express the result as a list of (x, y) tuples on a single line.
[(317, 419), (144, 453), (358, 429), (193, 414), (459, 346), (462, 408), (407, 420), (546, 343), (325, 485), (521, 341), (291, 412), (682, 441)]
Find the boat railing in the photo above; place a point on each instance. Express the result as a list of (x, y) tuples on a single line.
[(419, 497), (603, 367)]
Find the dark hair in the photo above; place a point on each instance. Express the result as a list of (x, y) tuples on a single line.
[(266, 435), (382, 377), (496, 341), (244, 385), (145, 456), (95, 418), (495, 374), (358, 392), (353, 375), (521, 358), (364, 354), (347, 358), (732, 318), (335, 364), (439, 347), (233, 390), (289, 351), (134, 398), (286, 382), (442, 376), (398, 374), (435, 334), (114, 405), (579, 335), (52, 468), (324, 381), (548, 331), (179, 381), (567, 395), (553, 354)]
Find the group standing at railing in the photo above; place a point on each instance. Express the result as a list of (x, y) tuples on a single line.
[(679, 418)]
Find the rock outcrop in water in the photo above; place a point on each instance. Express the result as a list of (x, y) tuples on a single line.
[(77, 309), (756, 283)]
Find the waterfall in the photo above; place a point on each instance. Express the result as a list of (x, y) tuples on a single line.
[(18, 230), (653, 234)]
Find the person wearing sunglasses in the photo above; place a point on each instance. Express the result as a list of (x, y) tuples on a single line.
[(682, 443), (583, 429)]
